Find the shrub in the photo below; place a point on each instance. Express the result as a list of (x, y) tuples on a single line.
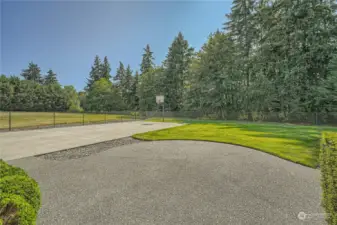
[(8, 170), (328, 161), (14, 210), (23, 186)]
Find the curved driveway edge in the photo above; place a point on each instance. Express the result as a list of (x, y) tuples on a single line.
[(175, 182), (20, 144)]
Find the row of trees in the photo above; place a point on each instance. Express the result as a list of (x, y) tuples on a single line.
[(271, 56), (36, 93)]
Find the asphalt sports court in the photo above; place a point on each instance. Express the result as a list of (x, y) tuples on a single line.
[(164, 182)]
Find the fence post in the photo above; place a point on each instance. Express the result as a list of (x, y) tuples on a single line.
[(105, 117), (54, 119), (9, 120), (83, 118), (122, 118), (316, 119)]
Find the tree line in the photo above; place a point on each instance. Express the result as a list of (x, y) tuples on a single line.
[(36, 92), (270, 56)]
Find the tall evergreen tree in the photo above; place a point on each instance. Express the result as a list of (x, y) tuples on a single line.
[(106, 69), (147, 60), (134, 92), (95, 73), (213, 87), (297, 45), (242, 29), (149, 86), (176, 66), (32, 73), (126, 87), (50, 78), (120, 74)]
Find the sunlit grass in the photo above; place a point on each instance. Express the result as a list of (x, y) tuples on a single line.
[(299, 144), (35, 119)]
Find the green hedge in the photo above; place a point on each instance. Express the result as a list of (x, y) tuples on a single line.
[(17, 210), (7, 170), (328, 163), (23, 186), (20, 197)]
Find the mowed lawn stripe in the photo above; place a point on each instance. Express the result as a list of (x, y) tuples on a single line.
[(299, 144)]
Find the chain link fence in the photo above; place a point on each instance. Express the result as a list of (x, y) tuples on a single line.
[(31, 120), (301, 118)]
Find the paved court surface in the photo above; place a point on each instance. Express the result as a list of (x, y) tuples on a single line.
[(175, 182), (19, 144)]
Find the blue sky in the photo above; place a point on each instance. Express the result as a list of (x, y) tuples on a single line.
[(66, 36)]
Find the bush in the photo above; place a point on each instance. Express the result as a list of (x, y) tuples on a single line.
[(23, 186), (15, 210), (8, 170), (328, 163)]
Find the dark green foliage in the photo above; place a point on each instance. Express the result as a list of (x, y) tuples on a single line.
[(149, 86), (328, 164), (212, 83), (176, 67), (23, 186), (106, 69), (27, 95), (6, 92), (134, 93), (14, 210), (120, 74), (32, 73), (103, 97), (274, 57), (147, 61), (50, 78), (126, 87), (95, 73)]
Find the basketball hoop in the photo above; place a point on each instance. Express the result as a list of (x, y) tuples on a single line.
[(160, 99)]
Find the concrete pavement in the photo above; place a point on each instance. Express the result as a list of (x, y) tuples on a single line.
[(20, 144), (175, 182)]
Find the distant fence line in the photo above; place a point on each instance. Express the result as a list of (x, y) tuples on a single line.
[(14, 120)]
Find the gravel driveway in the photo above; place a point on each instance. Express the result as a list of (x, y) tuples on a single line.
[(173, 182)]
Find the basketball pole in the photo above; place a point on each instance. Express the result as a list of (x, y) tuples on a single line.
[(163, 110)]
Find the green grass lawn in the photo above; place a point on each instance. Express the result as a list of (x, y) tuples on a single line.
[(35, 119), (299, 144)]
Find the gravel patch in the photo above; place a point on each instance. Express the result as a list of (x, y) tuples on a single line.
[(84, 151)]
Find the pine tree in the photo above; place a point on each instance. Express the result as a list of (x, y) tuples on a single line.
[(95, 73), (148, 88), (134, 92), (33, 73), (120, 74), (214, 85), (176, 66), (50, 78), (126, 87), (147, 60), (242, 30), (106, 69)]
